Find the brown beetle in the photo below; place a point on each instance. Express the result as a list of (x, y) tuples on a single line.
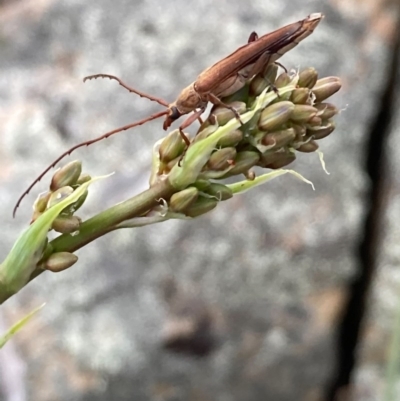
[(222, 79)]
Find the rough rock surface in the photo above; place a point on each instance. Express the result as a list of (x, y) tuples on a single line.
[(259, 282)]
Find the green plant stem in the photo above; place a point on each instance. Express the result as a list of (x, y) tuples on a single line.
[(108, 220)]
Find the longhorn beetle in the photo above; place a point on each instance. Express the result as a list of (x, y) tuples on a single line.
[(222, 79)]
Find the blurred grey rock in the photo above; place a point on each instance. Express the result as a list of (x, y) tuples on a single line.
[(266, 271)]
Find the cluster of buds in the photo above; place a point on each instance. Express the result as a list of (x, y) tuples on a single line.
[(64, 182), (295, 116)]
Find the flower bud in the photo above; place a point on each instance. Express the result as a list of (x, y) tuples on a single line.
[(270, 73), (231, 138), (223, 115), (84, 177), (315, 121), (303, 113), (202, 185), (182, 200), (201, 206), (321, 132), (326, 110), (272, 117), (60, 261), (66, 224), (300, 96), (220, 191), (308, 78), (283, 80), (257, 85), (300, 131), (326, 87), (171, 147), (59, 195), (275, 160), (277, 139), (309, 147), (66, 176), (221, 159), (244, 161), (283, 161), (41, 202), (73, 207)]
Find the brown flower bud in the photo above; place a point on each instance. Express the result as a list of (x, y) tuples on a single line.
[(308, 78), (66, 176), (201, 206), (223, 115), (280, 138), (321, 132), (301, 96), (244, 161), (231, 138), (60, 261), (171, 147), (182, 200), (326, 87), (221, 159), (326, 110), (309, 147), (302, 113), (66, 224), (274, 116)]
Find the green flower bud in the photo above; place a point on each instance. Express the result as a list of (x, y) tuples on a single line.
[(202, 185), (274, 116), (321, 132), (182, 200), (84, 177), (171, 147), (279, 138), (41, 202), (220, 191), (204, 132), (326, 87), (244, 161), (59, 195), (223, 115), (308, 78), (270, 73), (66, 224), (201, 206), (302, 113), (301, 96), (221, 159), (309, 147), (230, 139), (326, 110), (257, 85), (73, 207), (66, 176), (60, 261)]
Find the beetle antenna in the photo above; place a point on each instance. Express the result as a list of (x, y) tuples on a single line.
[(86, 143), (128, 88)]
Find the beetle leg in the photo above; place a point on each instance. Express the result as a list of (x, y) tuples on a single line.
[(192, 118), (253, 37), (218, 102)]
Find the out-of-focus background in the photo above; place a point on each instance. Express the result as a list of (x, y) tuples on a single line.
[(291, 294)]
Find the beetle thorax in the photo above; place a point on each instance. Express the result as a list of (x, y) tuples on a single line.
[(188, 100)]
